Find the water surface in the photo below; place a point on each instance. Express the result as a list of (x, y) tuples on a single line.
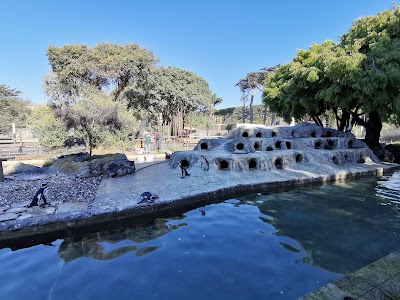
[(263, 246)]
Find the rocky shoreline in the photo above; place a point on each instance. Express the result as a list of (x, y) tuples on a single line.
[(61, 189)]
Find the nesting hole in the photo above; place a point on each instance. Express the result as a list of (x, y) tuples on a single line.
[(240, 146), (252, 164), (184, 163), (223, 164), (350, 144), (292, 133), (317, 145), (299, 158), (335, 160), (257, 146), (269, 148), (313, 134), (289, 145), (279, 163), (331, 143), (273, 134), (362, 157), (245, 134), (203, 146), (258, 134), (329, 134), (278, 144), (346, 157)]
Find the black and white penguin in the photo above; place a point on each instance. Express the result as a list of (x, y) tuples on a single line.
[(147, 197), (39, 196)]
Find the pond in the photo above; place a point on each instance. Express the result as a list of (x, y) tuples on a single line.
[(262, 246)]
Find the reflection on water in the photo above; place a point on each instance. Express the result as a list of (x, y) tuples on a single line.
[(110, 244), (342, 227), (263, 246)]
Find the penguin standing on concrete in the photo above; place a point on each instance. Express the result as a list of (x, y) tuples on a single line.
[(205, 163), (39, 196), (184, 171)]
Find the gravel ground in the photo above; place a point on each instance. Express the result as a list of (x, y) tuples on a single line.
[(60, 188)]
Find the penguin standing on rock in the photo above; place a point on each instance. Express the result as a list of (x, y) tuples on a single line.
[(39, 196)]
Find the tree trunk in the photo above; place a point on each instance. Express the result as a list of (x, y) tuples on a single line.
[(373, 130), (265, 115), (273, 118), (1, 171), (243, 112), (251, 108)]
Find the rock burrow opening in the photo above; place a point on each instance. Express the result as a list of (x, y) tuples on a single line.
[(223, 164), (335, 160), (240, 146), (203, 146), (245, 134), (257, 146), (299, 158), (278, 144), (313, 134), (258, 134), (279, 163), (252, 164), (289, 145), (317, 145), (273, 133)]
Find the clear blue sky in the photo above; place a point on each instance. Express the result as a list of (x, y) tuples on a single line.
[(220, 40)]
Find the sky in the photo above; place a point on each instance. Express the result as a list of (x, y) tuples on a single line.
[(219, 40)]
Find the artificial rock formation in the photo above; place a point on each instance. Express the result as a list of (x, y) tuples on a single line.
[(249, 148)]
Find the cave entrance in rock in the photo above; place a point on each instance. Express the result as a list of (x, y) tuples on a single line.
[(252, 164), (203, 146), (223, 164), (299, 158), (240, 146), (279, 163)]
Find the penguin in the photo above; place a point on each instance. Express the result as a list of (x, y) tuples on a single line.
[(147, 197), (184, 171), (39, 196), (205, 163)]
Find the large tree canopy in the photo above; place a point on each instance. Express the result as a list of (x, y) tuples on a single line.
[(85, 81), (360, 75), (171, 93)]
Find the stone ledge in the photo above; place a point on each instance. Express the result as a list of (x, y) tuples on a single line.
[(378, 280)]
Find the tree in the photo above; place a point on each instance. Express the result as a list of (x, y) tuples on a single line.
[(93, 116), (108, 67), (85, 82), (7, 92), (172, 93), (50, 131), (13, 109), (250, 84), (358, 76)]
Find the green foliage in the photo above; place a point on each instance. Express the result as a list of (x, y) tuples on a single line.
[(7, 92), (13, 109), (171, 93), (358, 76), (50, 131)]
